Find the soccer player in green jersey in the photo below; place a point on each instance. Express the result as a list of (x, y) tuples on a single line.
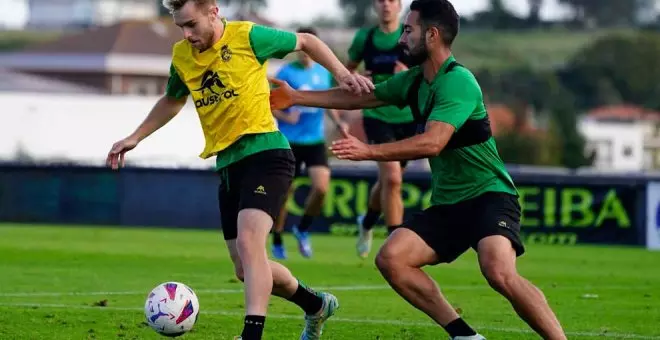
[(474, 201), (379, 49)]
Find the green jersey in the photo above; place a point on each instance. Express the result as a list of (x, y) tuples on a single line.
[(463, 172), (379, 51)]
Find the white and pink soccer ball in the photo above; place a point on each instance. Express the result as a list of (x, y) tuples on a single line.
[(171, 309)]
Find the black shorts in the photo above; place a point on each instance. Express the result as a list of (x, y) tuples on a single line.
[(260, 181), (379, 132), (311, 155), (452, 229)]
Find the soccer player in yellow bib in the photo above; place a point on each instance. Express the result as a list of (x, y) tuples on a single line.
[(222, 65)]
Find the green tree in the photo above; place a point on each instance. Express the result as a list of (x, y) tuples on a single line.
[(617, 68)]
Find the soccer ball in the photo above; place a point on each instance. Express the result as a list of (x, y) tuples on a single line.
[(171, 309)]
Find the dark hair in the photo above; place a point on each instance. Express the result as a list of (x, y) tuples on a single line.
[(438, 13), (309, 30)]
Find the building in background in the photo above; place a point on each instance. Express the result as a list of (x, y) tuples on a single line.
[(64, 14), (622, 138)]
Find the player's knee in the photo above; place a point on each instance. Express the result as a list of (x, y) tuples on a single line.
[(392, 181), (386, 261), (500, 279)]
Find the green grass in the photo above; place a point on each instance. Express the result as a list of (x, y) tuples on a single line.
[(51, 278)]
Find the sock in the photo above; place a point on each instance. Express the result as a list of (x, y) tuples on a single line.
[(253, 327), (305, 222), (307, 299), (458, 327), (390, 229), (370, 219), (277, 238)]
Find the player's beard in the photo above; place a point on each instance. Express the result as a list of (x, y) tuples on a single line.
[(416, 56)]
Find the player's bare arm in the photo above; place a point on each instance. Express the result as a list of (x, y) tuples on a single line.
[(428, 144), (284, 97), (322, 54), (164, 110)]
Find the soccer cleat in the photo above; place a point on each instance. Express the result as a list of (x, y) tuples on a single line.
[(238, 338), (279, 252), (365, 237), (304, 244), (469, 337), (314, 323)]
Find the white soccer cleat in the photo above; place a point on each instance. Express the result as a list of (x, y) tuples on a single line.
[(365, 238)]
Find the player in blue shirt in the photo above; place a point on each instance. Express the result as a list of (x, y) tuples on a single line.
[(304, 128)]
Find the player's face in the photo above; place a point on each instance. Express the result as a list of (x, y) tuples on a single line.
[(388, 10), (413, 40), (197, 24)]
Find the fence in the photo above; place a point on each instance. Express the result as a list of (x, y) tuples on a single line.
[(557, 208)]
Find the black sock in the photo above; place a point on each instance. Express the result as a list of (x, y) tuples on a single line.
[(277, 238), (370, 219), (390, 229), (253, 327), (305, 222), (458, 327), (307, 299)]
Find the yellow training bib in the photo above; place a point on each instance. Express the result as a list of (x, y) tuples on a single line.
[(229, 86)]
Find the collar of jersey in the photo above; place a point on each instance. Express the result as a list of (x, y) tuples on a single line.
[(443, 68)]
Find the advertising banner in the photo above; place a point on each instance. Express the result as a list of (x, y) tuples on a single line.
[(552, 213), (653, 216)]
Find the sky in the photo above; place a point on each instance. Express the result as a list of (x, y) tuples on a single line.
[(14, 12), (285, 11)]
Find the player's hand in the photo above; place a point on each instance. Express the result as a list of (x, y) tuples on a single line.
[(351, 148), (367, 74), (400, 67), (115, 158), (356, 83), (281, 97)]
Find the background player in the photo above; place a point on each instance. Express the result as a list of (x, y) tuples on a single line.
[(378, 47), (304, 128), (474, 202), (222, 65)]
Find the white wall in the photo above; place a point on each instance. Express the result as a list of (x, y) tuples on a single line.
[(84, 127), (619, 145)]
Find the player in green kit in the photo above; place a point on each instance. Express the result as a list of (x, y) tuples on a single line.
[(378, 47), (474, 202)]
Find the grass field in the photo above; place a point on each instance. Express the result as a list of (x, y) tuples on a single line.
[(53, 278)]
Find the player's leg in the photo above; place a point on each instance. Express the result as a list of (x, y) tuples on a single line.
[(278, 251), (403, 255), (498, 245), (266, 182), (316, 161)]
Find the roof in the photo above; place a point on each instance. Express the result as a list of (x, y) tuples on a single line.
[(19, 82), (623, 112), (127, 37)]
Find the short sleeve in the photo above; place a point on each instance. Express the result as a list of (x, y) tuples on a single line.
[(268, 43), (395, 89), (357, 46), (455, 100), (176, 88)]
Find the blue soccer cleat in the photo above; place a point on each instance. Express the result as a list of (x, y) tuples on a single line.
[(304, 244), (279, 252)]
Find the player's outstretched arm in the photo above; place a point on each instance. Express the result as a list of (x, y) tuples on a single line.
[(284, 97), (428, 144), (164, 110), (322, 54)]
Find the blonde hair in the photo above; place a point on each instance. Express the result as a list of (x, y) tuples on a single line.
[(175, 5)]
